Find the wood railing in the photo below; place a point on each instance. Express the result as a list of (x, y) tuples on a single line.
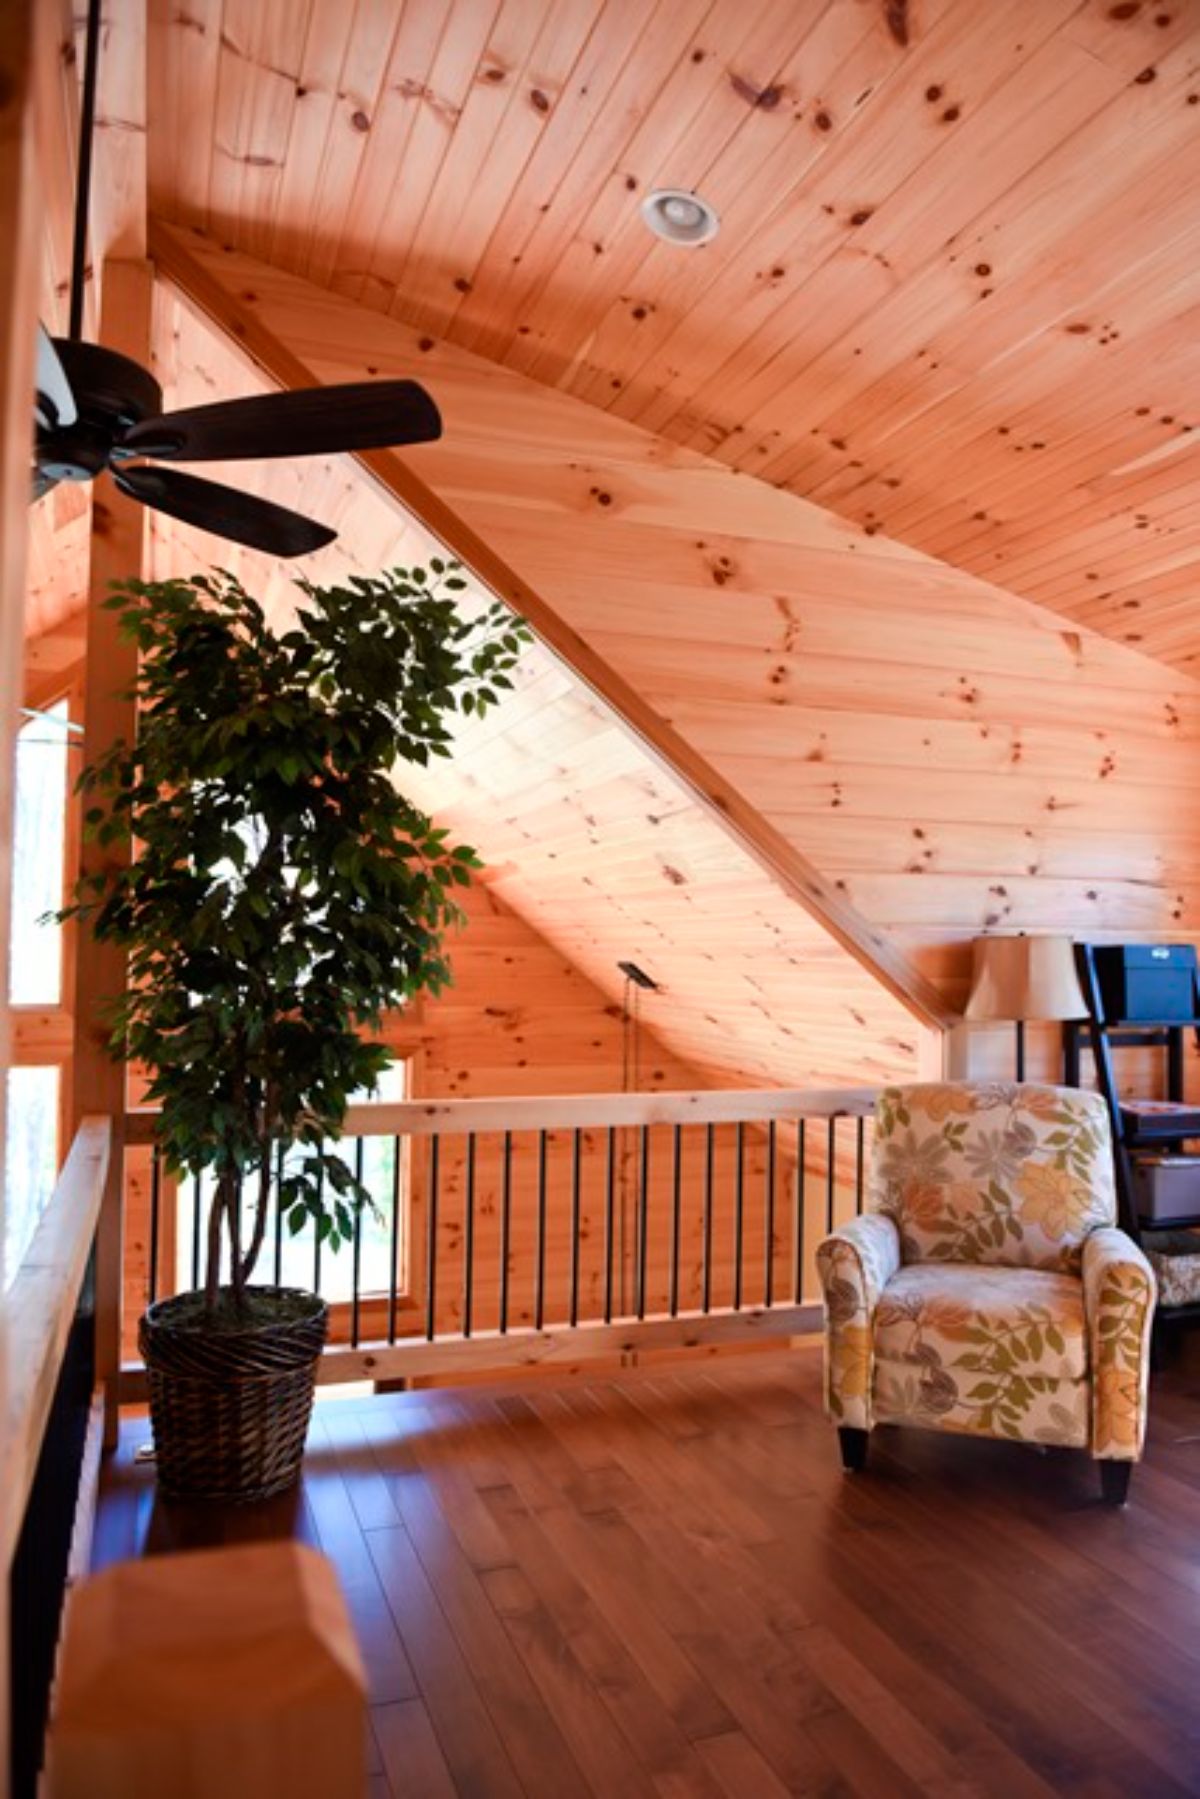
[(519, 1232), (52, 1427)]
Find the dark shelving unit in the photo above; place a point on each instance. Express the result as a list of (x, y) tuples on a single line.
[(1103, 1036)]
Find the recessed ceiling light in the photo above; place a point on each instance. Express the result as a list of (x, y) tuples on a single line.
[(679, 217)]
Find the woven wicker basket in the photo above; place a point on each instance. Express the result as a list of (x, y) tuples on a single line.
[(230, 1409)]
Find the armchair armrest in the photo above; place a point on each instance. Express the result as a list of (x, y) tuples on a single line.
[(855, 1264), (1118, 1300)]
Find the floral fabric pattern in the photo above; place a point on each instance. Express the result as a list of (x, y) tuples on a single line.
[(1119, 1292), (988, 1291), (855, 1266), (994, 1173), (1175, 1259), (996, 1351)]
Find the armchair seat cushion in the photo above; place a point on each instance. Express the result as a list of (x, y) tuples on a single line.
[(983, 1321), (996, 1352)]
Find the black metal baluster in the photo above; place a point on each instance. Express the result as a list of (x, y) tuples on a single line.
[(279, 1165), (769, 1221), (676, 1208), (643, 1235), (431, 1241), (505, 1228), (539, 1291), (738, 1214), (356, 1266), (195, 1230), (576, 1179), (155, 1205), (610, 1191), (469, 1239), (798, 1268), (710, 1138), (859, 1163), (830, 1173), (394, 1253)]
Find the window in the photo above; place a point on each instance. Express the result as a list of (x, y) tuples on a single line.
[(35, 968), (31, 1157), (297, 1257)]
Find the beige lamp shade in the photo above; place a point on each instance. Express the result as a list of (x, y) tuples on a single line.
[(1023, 978)]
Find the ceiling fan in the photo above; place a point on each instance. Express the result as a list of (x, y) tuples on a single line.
[(97, 409)]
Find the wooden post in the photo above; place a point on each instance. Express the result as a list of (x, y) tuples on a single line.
[(98, 1083), (18, 317), (228, 1671)]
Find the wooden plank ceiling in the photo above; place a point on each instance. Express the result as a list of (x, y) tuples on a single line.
[(956, 288), (588, 837), (951, 759)]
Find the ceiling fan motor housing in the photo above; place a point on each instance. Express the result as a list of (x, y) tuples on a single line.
[(111, 394)]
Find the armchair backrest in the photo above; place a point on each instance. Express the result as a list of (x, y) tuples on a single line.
[(995, 1173)]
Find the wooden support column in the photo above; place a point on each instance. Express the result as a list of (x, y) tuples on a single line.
[(19, 212), (117, 551)]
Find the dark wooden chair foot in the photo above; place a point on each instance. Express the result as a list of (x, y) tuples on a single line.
[(854, 1447), (1114, 1481)]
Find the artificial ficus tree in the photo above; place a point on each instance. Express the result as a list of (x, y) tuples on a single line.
[(283, 892)]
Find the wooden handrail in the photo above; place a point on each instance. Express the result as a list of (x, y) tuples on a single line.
[(582, 1111), (38, 1311)]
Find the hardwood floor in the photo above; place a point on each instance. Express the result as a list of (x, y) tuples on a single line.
[(663, 1584)]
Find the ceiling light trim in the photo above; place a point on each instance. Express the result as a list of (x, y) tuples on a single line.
[(679, 216)]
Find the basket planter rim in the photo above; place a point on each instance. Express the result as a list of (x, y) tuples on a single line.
[(160, 1316)]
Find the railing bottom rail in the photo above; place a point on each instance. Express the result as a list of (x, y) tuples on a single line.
[(563, 1347)]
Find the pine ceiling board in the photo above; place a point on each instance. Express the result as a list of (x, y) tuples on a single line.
[(943, 370), (707, 103), (862, 220), (262, 54), (1081, 347), (408, 91), (1041, 255), (317, 216), (1094, 418), (185, 55), (526, 70), (56, 115), (645, 55), (845, 53), (625, 34), (997, 467), (437, 106)]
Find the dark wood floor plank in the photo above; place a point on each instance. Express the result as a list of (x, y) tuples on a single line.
[(558, 1661), (412, 1757), (614, 1662), (738, 1768), (662, 1584), (535, 1744), (474, 1752)]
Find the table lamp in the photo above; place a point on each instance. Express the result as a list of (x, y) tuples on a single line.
[(1023, 978)]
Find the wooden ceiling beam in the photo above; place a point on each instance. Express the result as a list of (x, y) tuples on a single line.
[(290, 358)]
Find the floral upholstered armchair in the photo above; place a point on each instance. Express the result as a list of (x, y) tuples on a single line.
[(987, 1289)]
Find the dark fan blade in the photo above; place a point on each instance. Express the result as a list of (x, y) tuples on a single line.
[(310, 421), (240, 516), (55, 401)]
